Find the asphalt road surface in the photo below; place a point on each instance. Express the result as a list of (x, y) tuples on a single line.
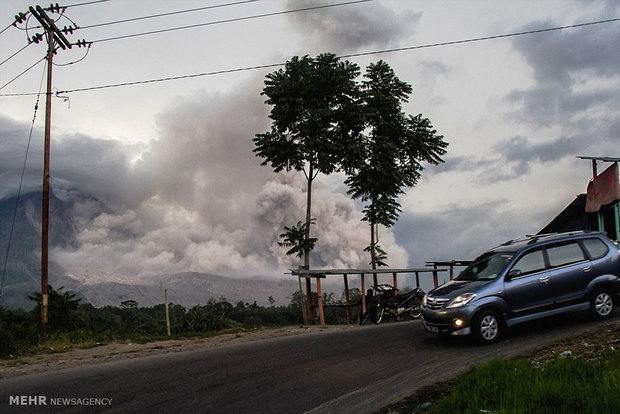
[(352, 371)]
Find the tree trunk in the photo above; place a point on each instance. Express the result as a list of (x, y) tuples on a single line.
[(306, 249), (308, 216)]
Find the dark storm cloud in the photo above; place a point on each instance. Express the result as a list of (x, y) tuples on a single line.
[(573, 105), (353, 27), (95, 166), (459, 232), (575, 71)]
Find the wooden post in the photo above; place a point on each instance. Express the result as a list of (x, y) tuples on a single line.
[(309, 300), (417, 279), (435, 280), (363, 293), (395, 282), (617, 218), (346, 298), (166, 310), (452, 270), (320, 301)]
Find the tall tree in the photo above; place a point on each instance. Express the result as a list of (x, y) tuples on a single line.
[(388, 157), (314, 118)]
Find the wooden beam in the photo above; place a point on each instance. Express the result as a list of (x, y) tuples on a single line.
[(319, 294), (346, 298)]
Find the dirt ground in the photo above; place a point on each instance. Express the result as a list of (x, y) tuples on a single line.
[(51, 358), (589, 345)]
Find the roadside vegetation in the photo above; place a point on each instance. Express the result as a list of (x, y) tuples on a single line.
[(73, 324), (581, 375)]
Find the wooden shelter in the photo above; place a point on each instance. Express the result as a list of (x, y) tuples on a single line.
[(319, 274)]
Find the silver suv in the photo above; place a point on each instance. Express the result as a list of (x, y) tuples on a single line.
[(526, 279)]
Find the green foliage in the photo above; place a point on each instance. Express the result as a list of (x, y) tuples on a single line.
[(61, 308), (295, 238), (323, 120), (83, 323), (315, 117), (314, 114), (378, 254), (387, 157), (565, 385)]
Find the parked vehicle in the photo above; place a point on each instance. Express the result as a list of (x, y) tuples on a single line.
[(526, 279), (382, 301)]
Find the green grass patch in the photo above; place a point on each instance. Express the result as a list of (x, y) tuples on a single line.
[(565, 385)]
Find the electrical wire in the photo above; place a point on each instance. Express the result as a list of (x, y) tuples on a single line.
[(23, 73), (5, 29), (351, 55), (14, 54), (75, 61), (237, 19), (134, 19), (480, 39), (19, 191), (86, 3)]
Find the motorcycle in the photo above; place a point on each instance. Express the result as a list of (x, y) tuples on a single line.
[(381, 301)]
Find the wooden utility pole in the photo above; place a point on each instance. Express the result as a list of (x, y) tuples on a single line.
[(166, 310), (54, 37)]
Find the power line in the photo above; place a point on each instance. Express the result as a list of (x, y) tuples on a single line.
[(87, 3), (19, 191), (21, 74), (236, 19), (14, 54), (134, 19), (351, 55), (479, 39)]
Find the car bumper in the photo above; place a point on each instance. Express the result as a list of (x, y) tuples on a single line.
[(445, 329), (444, 322)]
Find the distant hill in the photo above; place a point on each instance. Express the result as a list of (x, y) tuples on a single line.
[(189, 289), (23, 275)]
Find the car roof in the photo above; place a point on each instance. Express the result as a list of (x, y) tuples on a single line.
[(537, 239)]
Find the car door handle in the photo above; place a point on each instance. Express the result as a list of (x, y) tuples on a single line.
[(544, 279), (587, 269)]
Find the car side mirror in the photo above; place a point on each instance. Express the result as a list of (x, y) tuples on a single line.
[(514, 273)]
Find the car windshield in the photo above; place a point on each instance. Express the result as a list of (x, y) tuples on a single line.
[(486, 267)]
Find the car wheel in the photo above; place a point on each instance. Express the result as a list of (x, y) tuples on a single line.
[(487, 327), (602, 304)]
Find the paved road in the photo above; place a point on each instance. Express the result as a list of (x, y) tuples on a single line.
[(353, 371)]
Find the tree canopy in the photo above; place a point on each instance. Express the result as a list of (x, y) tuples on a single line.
[(314, 118), (387, 157), (325, 120)]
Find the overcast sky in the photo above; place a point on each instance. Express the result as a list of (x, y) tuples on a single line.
[(171, 162)]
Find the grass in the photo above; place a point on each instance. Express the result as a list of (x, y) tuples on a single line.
[(522, 386)]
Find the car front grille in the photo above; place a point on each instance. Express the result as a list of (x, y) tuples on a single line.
[(436, 303)]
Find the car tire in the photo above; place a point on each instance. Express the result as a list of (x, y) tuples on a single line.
[(487, 327), (602, 304)]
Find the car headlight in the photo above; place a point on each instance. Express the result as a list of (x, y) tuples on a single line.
[(461, 300), (424, 300)]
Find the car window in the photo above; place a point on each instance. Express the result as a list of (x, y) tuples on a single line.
[(530, 263), (596, 248), (486, 267), (565, 254)]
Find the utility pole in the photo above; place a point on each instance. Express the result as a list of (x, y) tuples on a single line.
[(54, 37), (166, 311)]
